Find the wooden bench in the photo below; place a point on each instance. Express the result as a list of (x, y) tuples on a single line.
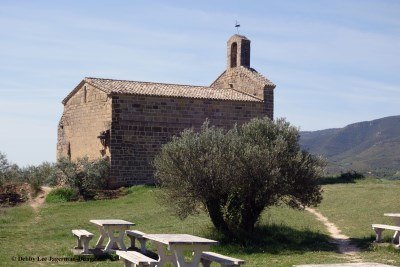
[(207, 257), (378, 228), (83, 237), (137, 258), (135, 234)]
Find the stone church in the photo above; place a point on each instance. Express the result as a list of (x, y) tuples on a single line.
[(128, 121)]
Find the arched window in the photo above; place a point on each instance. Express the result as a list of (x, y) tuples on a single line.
[(233, 55)]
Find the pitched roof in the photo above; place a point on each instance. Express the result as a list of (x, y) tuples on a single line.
[(124, 87), (256, 76), (251, 73)]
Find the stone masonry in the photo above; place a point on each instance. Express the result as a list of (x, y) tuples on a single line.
[(87, 113), (129, 121)]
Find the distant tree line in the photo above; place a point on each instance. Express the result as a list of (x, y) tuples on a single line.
[(82, 176)]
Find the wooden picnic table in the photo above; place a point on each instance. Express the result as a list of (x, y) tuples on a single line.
[(396, 219), (177, 244), (107, 229)]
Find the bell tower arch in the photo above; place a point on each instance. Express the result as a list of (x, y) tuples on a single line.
[(238, 52)]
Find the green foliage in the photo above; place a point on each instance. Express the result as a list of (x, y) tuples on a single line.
[(83, 175), (137, 189), (351, 176), (346, 177), (61, 195), (36, 176), (4, 165), (235, 174), (4, 168)]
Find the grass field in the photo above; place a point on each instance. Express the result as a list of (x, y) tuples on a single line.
[(284, 237), (354, 207)]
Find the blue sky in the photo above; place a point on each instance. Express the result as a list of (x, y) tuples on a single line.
[(334, 62)]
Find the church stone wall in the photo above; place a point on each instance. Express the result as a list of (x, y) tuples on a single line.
[(86, 114), (269, 102), (141, 124), (238, 79)]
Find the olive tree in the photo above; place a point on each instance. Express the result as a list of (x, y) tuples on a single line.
[(84, 175), (234, 175), (4, 164), (8, 171)]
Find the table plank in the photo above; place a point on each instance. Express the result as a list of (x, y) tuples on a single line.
[(180, 239), (392, 214), (111, 222)]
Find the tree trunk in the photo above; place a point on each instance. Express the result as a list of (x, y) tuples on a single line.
[(213, 208), (250, 216)]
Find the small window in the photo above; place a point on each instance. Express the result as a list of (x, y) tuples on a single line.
[(69, 151), (233, 55), (84, 94)]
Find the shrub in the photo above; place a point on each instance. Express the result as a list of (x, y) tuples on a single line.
[(234, 175), (4, 165), (350, 176), (36, 176), (83, 175), (61, 195), (4, 168), (13, 193)]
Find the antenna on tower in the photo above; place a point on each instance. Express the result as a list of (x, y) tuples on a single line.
[(237, 25)]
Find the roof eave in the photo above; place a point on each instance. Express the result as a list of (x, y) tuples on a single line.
[(76, 89), (255, 99)]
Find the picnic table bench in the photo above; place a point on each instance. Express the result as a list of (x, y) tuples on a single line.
[(378, 228), (83, 238), (135, 234), (136, 258), (207, 257)]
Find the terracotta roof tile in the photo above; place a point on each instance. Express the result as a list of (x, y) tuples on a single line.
[(251, 73), (124, 87), (258, 77)]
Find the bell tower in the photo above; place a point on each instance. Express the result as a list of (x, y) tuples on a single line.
[(238, 52), (240, 77)]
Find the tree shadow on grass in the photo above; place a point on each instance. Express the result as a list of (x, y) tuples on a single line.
[(334, 180), (274, 239), (368, 243), (94, 255), (349, 177), (97, 255)]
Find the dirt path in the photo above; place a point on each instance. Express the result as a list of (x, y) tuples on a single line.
[(342, 241), (36, 202)]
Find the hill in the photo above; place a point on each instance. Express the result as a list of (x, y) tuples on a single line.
[(368, 146)]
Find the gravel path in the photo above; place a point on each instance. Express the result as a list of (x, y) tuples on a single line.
[(36, 202), (342, 241)]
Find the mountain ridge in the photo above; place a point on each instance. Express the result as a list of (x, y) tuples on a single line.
[(367, 146)]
